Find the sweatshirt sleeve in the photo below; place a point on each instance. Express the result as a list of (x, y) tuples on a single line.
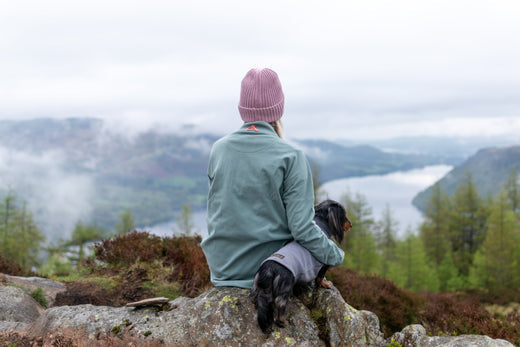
[(299, 204)]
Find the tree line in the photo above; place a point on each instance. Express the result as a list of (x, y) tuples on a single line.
[(466, 241), (22, 242)]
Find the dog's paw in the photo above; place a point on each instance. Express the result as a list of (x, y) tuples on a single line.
[(281, 323), (325, 284)]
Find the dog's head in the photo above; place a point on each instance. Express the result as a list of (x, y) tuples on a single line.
[(334, 213)]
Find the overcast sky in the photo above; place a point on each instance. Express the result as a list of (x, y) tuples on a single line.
[(349, 69)]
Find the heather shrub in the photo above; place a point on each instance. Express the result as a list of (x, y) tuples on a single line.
[(395, 307), (461, 314), (9, 267), (171, 263), (189, 262), (128, 248)]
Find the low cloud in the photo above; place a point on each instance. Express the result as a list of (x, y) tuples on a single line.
[(57, 198)]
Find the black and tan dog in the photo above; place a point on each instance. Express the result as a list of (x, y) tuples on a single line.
[(293, 267)]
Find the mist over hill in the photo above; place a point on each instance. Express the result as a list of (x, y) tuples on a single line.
[(489, 169), (78, 168)]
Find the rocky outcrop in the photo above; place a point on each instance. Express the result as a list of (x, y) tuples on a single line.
[(50, 288), (18, 306), (220, 316), (415, 335)]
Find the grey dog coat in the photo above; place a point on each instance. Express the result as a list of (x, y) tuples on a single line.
[(298, 259)]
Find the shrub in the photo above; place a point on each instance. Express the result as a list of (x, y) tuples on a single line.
[(128, 248), (395, 307), (39, 296), (10, 267), (189, 262)]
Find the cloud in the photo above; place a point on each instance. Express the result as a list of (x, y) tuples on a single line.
[(364, 67), (58, 199)]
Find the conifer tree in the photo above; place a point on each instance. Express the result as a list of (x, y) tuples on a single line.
[(126, 223), (512, 188), (185, 224), (411, 269), (81, 236), (360, 245), (20, 238), (467, 224), (386, 230), (496, 263), (434, 231)]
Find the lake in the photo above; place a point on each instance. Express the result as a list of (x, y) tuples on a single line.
[(396, 189)]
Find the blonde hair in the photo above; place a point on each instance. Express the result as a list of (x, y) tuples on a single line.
[(278, 127)]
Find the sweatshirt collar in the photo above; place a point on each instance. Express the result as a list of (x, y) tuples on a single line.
[(259, 127)]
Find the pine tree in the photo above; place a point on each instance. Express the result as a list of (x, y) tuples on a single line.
[(496, 264), (512, 188), (411, 269), (448, 275), (126, 223), (360, 245), (81, 236), (434, 231), (467, 224), (386, 239), (185, 224)]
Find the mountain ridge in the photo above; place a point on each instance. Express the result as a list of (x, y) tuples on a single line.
[(77, 168)]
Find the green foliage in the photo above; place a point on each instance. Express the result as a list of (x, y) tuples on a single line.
[(467, 224), (360, 246), (434, 231), (38, 295), (495, 264), (81, 236), (512, 189), (126, 223), (386, 230), (185, 224), (393, 343), (413, 271), (20, 238), (56, 265)]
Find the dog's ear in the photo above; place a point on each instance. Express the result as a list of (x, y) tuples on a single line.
[(336, 219)]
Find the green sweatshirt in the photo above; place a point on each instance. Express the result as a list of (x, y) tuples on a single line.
[(260, 198)]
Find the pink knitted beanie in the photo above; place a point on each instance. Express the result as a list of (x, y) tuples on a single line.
[(261, 96)]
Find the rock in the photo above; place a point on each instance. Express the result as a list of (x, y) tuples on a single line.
[(415, 335), (18, 306), (345, 325), (221, 316), (50, 288)]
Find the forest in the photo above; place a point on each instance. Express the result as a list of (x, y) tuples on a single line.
[(457, 274)]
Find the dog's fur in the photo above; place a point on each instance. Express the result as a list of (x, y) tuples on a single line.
[(274, 283)]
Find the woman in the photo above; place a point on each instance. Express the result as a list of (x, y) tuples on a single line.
[(260, 191)]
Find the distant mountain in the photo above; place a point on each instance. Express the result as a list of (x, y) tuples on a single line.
[(443, 146), (489, 169), (336, 161), (76, 168)]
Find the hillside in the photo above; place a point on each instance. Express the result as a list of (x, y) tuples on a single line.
[(489, 169), (77, 168)]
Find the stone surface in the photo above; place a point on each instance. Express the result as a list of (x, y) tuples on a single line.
[(18, 306), (220, 316), (50, 288), (415, 335)]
